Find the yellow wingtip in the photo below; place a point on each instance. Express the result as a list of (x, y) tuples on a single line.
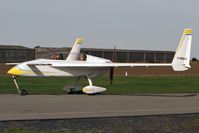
[(188, 31), (79, 40)]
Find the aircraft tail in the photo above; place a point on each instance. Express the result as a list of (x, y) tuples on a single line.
[(74, 53), (181, 60)]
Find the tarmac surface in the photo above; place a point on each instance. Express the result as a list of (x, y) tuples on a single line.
[(14, 107)]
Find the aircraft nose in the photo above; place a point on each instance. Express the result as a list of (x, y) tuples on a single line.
[(15, 71)]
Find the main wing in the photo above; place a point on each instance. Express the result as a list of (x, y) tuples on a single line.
[(91, 64)]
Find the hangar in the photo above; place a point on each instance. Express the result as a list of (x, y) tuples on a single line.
[(17, 53), (121, 55)]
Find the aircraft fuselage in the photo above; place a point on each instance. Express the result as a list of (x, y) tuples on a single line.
[(46, 69)]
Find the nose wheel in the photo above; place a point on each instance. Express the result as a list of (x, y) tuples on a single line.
[(20, 92)]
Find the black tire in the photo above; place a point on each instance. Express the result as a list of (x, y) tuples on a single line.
[(72, 91), (23, 92)]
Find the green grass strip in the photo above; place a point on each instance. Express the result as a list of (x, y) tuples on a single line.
[(121, 85)]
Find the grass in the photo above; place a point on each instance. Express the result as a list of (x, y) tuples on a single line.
[(121, 85), (184, 123), (23, 130)]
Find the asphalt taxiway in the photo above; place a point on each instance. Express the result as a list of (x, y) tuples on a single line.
[(14, 107)]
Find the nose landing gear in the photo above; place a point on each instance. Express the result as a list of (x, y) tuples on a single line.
[(20, 92)]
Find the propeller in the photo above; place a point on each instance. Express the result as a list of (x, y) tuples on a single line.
[(111, 74)]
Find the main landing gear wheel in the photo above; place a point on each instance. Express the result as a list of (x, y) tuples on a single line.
[(74, 89)]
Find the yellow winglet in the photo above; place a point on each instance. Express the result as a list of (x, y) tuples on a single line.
[(188, 31), (79, 41)]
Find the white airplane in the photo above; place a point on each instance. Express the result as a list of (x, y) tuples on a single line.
[(91, 66)]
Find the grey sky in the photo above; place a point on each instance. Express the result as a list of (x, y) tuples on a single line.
[(128, 24)]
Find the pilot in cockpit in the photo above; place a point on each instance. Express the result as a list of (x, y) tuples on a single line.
[(82, 57)]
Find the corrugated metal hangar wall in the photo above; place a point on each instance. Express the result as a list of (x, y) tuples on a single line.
[(13, 53), (121, 55)]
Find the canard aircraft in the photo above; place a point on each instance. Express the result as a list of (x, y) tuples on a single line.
[(90, 66)]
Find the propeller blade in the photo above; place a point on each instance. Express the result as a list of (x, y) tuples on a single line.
[(111, 75), (112, 68), (114, 55)]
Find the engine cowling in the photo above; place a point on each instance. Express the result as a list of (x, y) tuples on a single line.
[(93, 89)]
